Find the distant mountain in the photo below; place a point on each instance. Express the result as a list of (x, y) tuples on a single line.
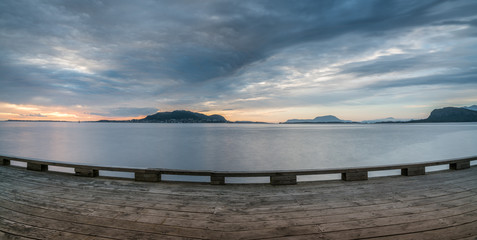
[(178, 116), (473, 108), (182, 116), (386, 120), (451, 114), (321, 119)]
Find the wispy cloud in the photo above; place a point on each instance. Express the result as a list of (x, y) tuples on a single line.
[(233, 55), (126, 112)]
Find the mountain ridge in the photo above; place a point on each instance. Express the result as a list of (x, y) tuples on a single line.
[(473, 107), (183, 116), (446, 114), (319, 119), (450, 114), (176, 116)]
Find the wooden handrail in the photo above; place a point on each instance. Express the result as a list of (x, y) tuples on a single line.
[(277, 177)]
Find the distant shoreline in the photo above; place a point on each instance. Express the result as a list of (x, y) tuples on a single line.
[(237, 122), (447, 114), (132, 121)]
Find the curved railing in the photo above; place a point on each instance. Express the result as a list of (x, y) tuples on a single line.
[(281, 177)]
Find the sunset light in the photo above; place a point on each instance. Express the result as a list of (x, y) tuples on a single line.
[(256, 61)]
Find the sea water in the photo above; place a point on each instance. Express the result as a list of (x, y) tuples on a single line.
[(237, 147)]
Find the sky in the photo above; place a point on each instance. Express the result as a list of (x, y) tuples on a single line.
[(246, 60)]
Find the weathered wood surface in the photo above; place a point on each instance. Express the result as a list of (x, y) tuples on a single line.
[(40, 205)]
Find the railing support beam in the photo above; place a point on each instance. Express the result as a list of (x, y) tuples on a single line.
[(217, 179), (354, 176), (413, 171), (283, 180), (148, 176), (459, 165), (5, 162), (37, 167), (86, 172)]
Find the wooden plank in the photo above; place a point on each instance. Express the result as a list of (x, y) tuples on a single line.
[(319, 232), (10, 236), (392, 230), (261, 201), (97, 231), (28, 231), (104, 224), (375, 208), (462, 232)]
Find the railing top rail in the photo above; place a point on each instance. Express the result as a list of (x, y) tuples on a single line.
[(74, 165), (242, 173)]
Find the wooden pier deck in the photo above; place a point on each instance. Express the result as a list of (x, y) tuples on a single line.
[(45, 205)]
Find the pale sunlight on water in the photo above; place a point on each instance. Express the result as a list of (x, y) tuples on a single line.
[(238, 147)]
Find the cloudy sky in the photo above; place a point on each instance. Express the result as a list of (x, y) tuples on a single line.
[(247, 60)]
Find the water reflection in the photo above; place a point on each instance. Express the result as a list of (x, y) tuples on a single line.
[(238, 147)]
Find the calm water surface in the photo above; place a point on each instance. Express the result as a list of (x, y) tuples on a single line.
[(238, 146)]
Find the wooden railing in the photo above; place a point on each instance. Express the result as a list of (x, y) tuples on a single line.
[(218, 177)]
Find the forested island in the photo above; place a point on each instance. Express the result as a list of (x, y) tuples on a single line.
[(178, 116)]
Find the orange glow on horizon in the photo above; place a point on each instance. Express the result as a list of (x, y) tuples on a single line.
[(9, 111)]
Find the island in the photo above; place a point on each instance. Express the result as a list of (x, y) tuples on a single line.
[(320, 119), (450, 114), (447, 114), (177, 116)]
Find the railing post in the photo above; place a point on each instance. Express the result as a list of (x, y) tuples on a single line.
[(6, 162), (37, 167), (148, 176), (216, 179), (283, 179), (413, 171), (354, 176), (86, 172), (459, 165)]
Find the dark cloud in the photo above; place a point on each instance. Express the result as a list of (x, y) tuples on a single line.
[(466, 78), (190, 52)]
